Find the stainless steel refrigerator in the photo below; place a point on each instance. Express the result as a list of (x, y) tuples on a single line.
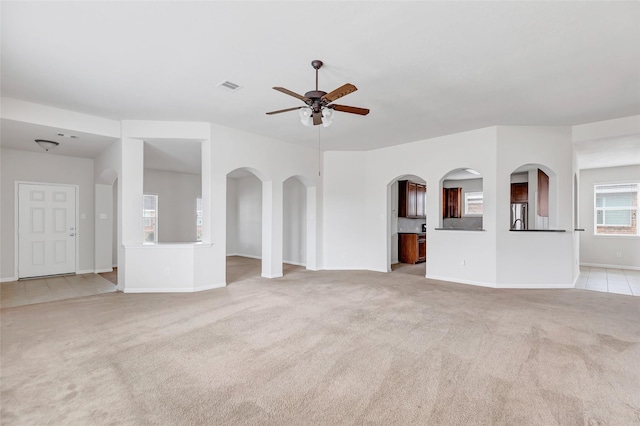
[(519, 216)]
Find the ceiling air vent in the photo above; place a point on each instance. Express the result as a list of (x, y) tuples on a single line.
[(229, 86)]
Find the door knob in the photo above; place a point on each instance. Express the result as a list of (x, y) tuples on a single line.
[(72, 234)]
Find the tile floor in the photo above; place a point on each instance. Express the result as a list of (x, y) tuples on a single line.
[(27, 292), (621, 281)]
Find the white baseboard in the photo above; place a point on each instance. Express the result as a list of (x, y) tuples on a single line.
[(209, 286), (85, 271), (536, 286), (603, 265), (172, 290), (459, 281), (503, 286), (8, 279), (250, 256), (102, 271), (271, 276)]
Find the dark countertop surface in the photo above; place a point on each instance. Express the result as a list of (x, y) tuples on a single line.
[(537, 230)]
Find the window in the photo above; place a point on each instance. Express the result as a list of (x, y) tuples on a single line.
[(150, 218), (473, 204), (198, 219), (616, 207)]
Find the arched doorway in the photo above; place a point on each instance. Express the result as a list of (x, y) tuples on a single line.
[(244, 224), (406, 225), (533, 198)]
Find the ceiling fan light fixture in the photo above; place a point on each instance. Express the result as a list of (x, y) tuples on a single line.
[(327, 117), (46, 145), (305, 116)]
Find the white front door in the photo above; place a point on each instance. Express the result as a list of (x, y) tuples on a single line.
[(46, 230)]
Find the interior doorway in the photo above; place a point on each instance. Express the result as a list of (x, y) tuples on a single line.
[(47, 229), (244, 225), (407, 236)]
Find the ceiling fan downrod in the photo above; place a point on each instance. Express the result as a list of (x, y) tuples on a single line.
[(316, 64)]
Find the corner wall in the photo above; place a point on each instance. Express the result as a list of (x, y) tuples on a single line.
[(536, 259)]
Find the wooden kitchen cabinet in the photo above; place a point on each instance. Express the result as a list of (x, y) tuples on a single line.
[(411, 199), (412, 248), (520, 192), (543, 194), (451, 203)]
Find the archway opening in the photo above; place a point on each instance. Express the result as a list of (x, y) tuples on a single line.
[(462, 200), (406, 225), (244, 225), (533, 198)]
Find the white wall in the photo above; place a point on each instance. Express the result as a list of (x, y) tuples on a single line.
[(345, 211), (294, 244), (114, 239), (536, 259), (47, 168), (357, 215), (244, 217), (177, 193), (103, 228), (232, 216), (601, 250), (107, 167)]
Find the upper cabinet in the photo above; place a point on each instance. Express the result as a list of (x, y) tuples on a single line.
[(543, 194), (520, 192), (411, 199), (451, 203)]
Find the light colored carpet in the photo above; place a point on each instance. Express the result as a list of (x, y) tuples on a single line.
[(325, 348)]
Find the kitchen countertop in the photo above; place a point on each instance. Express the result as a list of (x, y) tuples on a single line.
[(537, 230)]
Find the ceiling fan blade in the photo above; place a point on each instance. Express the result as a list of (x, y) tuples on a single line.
[(339, 92), (290, 93), (352, 110), (283, 110), (317, 118)]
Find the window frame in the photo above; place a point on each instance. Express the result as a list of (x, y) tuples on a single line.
[(199, 217), (467, 195), (633, 211), (155, 222)]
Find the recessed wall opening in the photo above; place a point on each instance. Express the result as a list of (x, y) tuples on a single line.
[(407, 223), (533, 189), (173, 174), (244, 225), (462, 200)]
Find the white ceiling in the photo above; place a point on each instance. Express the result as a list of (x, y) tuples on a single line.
[(423, 68), (21, 136)]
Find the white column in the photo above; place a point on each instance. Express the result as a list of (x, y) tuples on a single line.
[(271, 229), (312, 229), (130, 190)]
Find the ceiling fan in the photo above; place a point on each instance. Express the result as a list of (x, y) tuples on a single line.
[(319, 107)]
